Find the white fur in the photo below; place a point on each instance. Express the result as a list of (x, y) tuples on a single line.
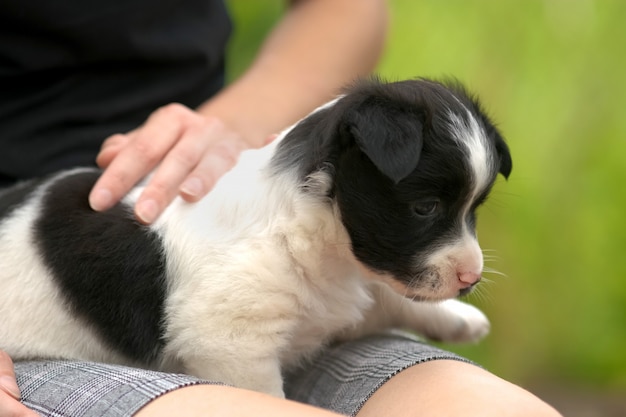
[(451, 261), (461, 262), (34, 320), (265, 281), (261, 275), (472, 137)]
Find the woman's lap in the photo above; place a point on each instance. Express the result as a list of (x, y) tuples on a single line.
[(341, 379), (346, 375), (83, 389)]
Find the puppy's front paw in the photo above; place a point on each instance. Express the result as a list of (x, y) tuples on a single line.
[(462, 323)]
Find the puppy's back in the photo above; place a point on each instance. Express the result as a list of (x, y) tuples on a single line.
[(98, 276)]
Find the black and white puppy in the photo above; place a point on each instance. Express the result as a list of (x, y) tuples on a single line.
[(358, 218)]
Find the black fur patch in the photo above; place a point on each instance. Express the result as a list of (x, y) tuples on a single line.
[(391, 151), (386, 232), (110, 267)]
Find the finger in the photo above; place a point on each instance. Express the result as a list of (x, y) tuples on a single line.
[(8, 383), (111, 147), (150, 145), (10, 407), (270, 139), (220, 158), (118, 138), (165, 182)]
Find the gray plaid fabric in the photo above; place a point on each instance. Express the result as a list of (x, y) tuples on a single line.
[(347, 375), (341, 379), (82, 389)]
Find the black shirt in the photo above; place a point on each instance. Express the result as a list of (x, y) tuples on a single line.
[(73, 72)]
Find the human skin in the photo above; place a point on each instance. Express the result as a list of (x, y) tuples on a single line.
[(436, 388), (9, 391), (318, 46), (298, 67), (315, 49)]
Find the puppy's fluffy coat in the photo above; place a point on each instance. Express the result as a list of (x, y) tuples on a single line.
[(320, 235)]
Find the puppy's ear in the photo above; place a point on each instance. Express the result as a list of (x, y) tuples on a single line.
[(506, 163), (502, 149), (392, 138)]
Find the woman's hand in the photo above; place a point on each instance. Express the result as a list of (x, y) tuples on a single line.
[(189, 151), (10, 405), (293, 73)]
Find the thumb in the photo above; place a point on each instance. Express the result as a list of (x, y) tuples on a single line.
[(8, 383)]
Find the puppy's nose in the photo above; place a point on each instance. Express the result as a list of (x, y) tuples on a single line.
[(469, 277)]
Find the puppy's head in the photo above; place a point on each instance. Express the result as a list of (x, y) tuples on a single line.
[(410, 162)]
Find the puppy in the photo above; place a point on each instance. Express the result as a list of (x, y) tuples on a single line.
[(358, 218)]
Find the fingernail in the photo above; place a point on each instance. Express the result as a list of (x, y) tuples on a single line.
[(147, 211), (100, 199), (193, 187), (9, 385)]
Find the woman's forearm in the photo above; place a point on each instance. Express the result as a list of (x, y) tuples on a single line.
[(317, 47)]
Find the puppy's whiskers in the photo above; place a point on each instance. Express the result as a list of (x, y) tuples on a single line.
[(481, 294), (489, 270), (490, 257)]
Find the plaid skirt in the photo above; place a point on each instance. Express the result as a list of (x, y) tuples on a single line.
[(341, 379)]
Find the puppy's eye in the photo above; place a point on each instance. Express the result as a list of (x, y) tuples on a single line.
[(426, 208)]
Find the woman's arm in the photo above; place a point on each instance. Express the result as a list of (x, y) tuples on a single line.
[(317, 47)]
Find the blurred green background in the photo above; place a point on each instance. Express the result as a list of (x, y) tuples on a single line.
[(552, 74)]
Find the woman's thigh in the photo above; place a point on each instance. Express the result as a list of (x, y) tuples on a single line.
[(341, 379)]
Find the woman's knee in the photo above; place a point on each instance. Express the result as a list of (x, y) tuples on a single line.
[(449, 387)]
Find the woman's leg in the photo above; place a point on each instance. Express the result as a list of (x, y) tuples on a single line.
[(390, 375), (84, 389), (452, 388), (396, 375), (224, 401), (434, 388)]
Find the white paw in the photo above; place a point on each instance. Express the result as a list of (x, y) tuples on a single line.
[(462, 323)]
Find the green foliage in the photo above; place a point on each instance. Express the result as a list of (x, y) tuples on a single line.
[(252, 21), (551, 73)]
